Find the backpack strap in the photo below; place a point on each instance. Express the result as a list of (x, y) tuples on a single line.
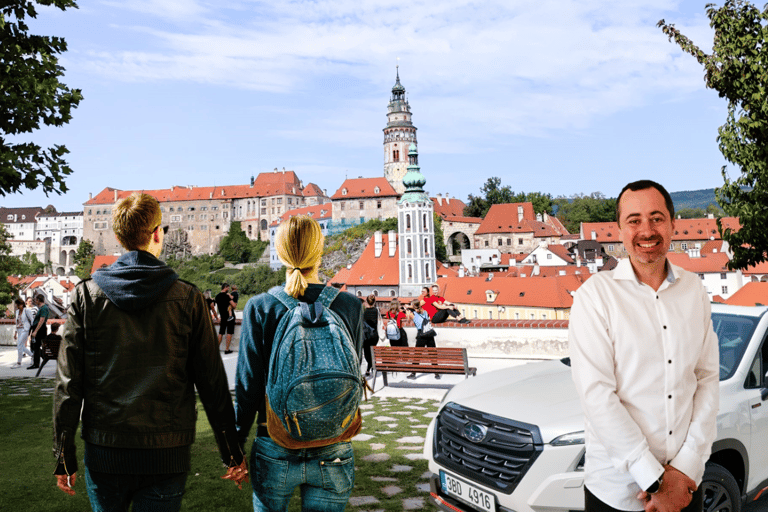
[(287, 301), (327, 296)]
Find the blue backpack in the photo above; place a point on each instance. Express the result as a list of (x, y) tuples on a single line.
[(314, 383)]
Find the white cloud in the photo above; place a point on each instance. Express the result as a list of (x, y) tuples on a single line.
[(509, 67)]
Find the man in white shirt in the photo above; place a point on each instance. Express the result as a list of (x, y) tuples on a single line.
[(646, 366)]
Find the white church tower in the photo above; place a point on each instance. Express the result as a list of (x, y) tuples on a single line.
[(416, 231), (399, 135)]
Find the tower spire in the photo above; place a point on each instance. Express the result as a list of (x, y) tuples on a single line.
[(399, 134)]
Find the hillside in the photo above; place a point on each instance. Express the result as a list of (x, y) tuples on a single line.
[(693, 198)]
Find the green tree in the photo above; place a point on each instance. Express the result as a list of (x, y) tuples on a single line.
[(258, 279), (690, 213), (83, 259), (31, 94), (28, 265), (235, 247), (738, 70), (7, 292), (580, 208), (440, 251), (494, 193)]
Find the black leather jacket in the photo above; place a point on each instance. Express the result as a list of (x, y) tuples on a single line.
[(135, 373)]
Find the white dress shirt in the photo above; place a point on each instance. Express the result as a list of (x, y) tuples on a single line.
[(646, 367)]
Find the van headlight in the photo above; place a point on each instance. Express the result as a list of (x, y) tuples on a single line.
[(569, 439)]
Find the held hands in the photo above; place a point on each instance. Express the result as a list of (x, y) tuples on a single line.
[(66, 483), (238, 474), (674, 492)]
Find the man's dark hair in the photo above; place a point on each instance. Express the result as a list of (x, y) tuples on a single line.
[(40, 298), (642, 185), (54, 327), (224, 285), (19, 302)]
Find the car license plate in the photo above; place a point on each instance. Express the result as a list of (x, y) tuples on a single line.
[(467, 493)]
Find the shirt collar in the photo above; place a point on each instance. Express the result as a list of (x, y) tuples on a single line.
[(624, 271)]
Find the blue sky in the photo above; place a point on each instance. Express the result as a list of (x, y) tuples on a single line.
[(563, 96)]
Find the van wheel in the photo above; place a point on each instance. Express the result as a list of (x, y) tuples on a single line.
[(721, 492)]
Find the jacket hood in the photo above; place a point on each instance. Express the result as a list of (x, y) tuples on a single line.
[(135, 280)]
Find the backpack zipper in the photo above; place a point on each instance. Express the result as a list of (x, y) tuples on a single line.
[(313, 409)]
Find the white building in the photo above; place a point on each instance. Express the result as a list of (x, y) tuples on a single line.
[(64, 231)]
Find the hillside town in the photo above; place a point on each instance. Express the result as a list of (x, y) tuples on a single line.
[(513, 264)]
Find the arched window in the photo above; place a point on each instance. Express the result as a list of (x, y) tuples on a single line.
[(264, 224), (426, 271), (407, 221), (409, 249), (376, 293), (425, 221), (250, 230), (410, 271), (426, 247), (392, 293), (359, 293)]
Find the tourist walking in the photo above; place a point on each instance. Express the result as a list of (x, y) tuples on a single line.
[(425, 333), (39, 330), (138, 342), (24, 319), (371, 330), (288, 450)]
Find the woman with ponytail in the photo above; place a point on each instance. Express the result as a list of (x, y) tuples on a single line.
[(325, 475)]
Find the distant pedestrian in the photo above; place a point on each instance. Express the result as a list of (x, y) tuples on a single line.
[(371, 327), (211, 304), (39, 330), (425, 333), (396, 314), (227, 321), (24, 319), (444, 309)]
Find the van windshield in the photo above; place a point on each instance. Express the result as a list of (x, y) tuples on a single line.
[(733, 333)]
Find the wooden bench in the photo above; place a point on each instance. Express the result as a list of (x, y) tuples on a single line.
[(420, 360)]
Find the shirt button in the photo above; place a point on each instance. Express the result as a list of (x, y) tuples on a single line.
[(665, 326), (670, 432), (669, 396), (670, 361)]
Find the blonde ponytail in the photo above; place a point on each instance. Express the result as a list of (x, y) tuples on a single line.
[(299, 245)]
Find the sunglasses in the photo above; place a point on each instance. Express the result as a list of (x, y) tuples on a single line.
[(165, 229)]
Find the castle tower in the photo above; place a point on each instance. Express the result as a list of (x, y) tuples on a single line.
[(398, 136), (416, 231)]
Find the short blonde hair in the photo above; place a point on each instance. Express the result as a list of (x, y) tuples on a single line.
[(299, 245), (134, 219)]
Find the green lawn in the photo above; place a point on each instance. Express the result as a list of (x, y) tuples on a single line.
[(27, 481)]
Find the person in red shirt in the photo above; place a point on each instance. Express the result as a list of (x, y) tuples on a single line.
[(443, 308), (396, 313), (426, 301)]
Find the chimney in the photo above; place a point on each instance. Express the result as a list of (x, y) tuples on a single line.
[(536, 270), (283, 170), (275, 169), (447, 199), (211, 195), (90, 195), (461, 271), (377, 244), (439, 199), (392, 236), (252, 180), (519, 213), (546, 217), (115, 195), (490, 276), (578, 260), (594, 235)]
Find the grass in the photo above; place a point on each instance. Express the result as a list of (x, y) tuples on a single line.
[(27, 476)]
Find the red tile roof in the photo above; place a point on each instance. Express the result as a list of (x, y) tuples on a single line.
[(605, 232), (288, 177), (561, 252), (706, 264), (548, 271), (312, 190), (358, 188), (448, 206), (111, 195), (548, 292), (341, 277), (369, 270), (760, 268), (751, 294), (503, 218), (102, 261), (712, 246)]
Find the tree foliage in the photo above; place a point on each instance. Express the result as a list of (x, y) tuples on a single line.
[(492, 192), (580, 208), (28, 265), (7, 292), (31, 94), (83, 259), (441, 253), (738, 70)]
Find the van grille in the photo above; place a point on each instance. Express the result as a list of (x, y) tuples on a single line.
[(499, 461)]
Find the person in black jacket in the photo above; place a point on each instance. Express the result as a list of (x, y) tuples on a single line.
[(137, 342)]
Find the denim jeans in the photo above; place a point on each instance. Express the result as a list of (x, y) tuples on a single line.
[(149, 493), (325, 476)]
